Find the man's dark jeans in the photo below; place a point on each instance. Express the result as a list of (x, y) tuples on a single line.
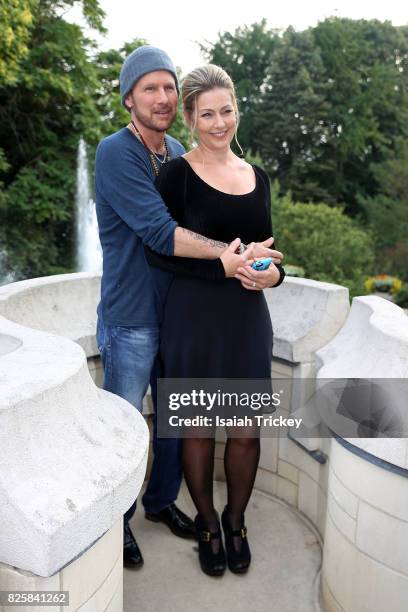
[(130, 362)]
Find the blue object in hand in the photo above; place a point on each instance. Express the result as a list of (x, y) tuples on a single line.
[(262, 264)]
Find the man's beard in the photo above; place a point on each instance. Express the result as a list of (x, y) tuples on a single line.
[(149, 124)]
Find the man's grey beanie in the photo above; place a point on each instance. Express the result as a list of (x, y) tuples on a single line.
[(141, 61)]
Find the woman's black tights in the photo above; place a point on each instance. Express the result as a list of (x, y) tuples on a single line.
[(240, 462)]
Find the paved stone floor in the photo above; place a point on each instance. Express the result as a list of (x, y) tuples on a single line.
[(282, 578)]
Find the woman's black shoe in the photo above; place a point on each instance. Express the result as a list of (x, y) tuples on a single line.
[(238, 560), (211, 563)]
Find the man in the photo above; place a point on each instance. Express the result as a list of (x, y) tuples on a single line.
[(132, 214)]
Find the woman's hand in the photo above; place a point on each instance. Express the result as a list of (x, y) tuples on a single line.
[(255, 280), (263, 249), (232, 262)]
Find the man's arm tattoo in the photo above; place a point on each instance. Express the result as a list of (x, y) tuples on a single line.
[(210, 241)]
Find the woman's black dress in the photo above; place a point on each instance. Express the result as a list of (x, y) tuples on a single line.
[(212, 326)]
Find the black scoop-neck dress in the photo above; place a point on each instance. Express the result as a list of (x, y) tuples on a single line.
[(212, 326)]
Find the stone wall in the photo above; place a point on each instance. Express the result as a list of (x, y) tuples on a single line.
[(355, 491), (72, 456)]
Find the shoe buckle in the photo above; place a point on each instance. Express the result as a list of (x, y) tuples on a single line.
[(205, 536), (243, 532)]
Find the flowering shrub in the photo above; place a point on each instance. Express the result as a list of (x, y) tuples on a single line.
[(383, 282)]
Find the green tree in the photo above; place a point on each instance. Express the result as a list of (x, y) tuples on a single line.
[(292, 123), (15, 22), (321, 106), (366, 62), (43, 113), (246, 55), (387, 214), (323, 240), (16, 18)]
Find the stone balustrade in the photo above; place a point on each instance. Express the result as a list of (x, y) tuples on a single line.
[(365, 565), (305, 314), (73, 456)]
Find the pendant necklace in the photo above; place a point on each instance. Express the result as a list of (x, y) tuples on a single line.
[(152, 155)]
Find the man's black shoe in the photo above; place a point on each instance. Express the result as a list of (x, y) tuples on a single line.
[(178, 522), (132, 557)]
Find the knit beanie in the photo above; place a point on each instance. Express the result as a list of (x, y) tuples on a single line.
[(141, 61)]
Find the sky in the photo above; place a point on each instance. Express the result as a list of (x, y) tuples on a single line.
[(177, 26)]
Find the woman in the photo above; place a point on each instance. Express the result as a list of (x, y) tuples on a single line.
[(217, 327)]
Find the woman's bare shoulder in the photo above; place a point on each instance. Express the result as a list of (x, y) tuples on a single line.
[(191, 157), (243, 163)]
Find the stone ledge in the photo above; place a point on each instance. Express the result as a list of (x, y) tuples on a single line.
[(306, 314), (72, 457), (64, 304), (375, 340)]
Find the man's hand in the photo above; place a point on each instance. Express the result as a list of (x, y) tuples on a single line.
[(263, 249), (255, 280), (231, 261)]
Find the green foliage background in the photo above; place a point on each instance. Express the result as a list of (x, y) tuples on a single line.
[(324, 241), (324, 111)]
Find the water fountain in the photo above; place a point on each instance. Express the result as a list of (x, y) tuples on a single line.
[(5, 277), (88, 251)]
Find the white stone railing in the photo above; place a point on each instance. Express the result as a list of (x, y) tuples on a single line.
[(64, 305), (306, 314), (373, 344), (68, 466), (365, 562), (72, 456)]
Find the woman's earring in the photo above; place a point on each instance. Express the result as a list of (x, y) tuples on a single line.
[(242, 154)]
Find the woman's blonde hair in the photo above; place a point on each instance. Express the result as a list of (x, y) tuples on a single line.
[(202, 79)]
